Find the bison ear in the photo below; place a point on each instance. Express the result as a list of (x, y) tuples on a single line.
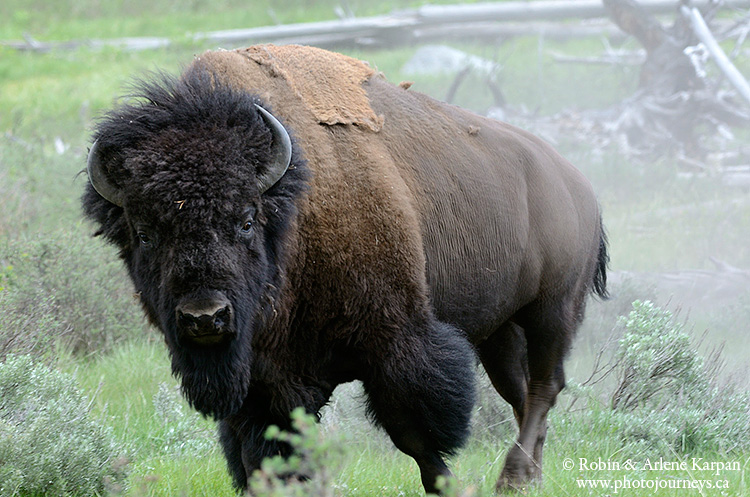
[(281, 152), (98, 177)]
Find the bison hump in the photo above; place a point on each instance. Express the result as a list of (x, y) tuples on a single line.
[(330, 84)]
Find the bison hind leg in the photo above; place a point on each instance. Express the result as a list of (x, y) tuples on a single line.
[(549, 326), (422, 393), (503, 355)]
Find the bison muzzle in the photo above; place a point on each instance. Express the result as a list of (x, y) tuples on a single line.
[(205, 322), (292, 221)]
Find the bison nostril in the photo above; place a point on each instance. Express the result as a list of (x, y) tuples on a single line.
[(221, 318), (187, 322)]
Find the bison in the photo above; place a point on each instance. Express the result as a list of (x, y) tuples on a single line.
[(292, 221)]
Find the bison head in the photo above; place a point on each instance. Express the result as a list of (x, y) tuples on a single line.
[(192, 181)]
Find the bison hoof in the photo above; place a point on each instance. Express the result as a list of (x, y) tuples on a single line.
[(519, 472)]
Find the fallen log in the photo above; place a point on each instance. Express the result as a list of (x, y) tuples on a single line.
[(695, 288), (328, 37), (679, 108), (406, 26), (545, 10)]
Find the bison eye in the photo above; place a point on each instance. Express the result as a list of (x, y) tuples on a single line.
[(247, 226), (144, 238)]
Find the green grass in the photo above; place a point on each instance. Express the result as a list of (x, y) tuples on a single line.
[(200, 475), (126, 382), (123, 385)]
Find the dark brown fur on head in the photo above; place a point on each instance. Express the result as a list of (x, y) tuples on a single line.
[(187, 152)]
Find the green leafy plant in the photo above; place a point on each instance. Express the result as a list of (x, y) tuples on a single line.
[(6, 277), (311, 467), (656, 359), (451, 487)]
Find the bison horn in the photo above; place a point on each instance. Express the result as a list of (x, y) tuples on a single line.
[(281, 152), (99, 180)]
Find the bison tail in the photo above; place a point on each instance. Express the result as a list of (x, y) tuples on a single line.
[(600, 275)]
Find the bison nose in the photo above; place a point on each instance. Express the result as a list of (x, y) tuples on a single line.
[(206, 321)]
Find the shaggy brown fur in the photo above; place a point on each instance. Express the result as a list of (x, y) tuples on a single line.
[(329, 84), (399, 232)]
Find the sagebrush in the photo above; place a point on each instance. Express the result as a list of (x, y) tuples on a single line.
[(64, 293), (668, 397), (49, 443)]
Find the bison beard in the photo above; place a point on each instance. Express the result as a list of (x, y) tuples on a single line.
[(214, 381)]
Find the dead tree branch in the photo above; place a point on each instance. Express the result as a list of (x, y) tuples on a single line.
[(722, 61)]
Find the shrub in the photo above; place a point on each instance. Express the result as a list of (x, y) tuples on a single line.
[(49, 445), (61, 292), (314, 464), (656, 359), (668, 397), (181, 433)]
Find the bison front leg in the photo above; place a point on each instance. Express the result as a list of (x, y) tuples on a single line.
[(245, 447), (232, 447), (243, 435), (422, 393)]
